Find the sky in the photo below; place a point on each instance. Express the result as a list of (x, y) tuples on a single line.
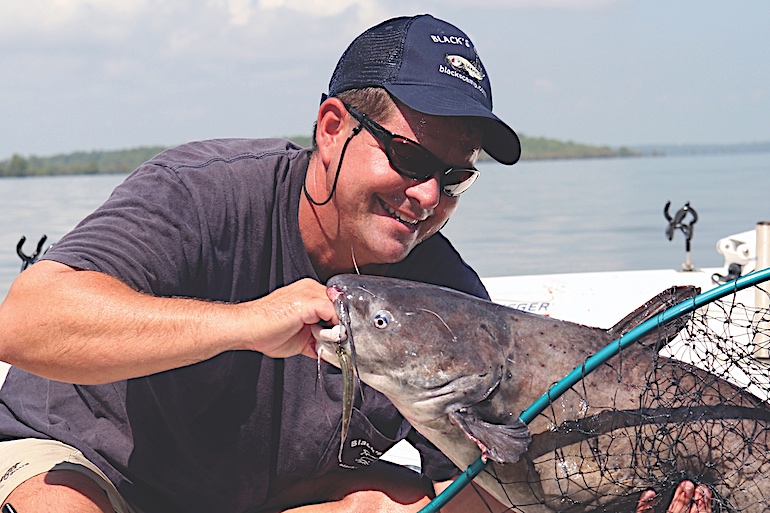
[(83, 75)]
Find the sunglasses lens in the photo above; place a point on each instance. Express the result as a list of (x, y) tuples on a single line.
[(457, 181), (413, 160)]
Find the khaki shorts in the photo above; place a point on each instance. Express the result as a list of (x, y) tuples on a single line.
[(26, 458)]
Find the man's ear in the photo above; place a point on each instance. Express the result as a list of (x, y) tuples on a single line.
[(331, 129)]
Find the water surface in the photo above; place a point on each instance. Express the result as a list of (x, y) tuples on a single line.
[(531, 218)]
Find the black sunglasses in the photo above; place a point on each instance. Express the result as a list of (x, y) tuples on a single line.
[(413, 160)]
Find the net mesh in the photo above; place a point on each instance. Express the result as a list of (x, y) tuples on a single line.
[(699, 412), (373, 58)]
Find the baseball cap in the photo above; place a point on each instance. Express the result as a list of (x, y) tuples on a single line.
[(432, 67)]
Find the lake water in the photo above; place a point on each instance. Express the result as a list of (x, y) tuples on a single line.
[(536, 217)]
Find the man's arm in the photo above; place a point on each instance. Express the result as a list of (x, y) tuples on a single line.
[(87, 327)]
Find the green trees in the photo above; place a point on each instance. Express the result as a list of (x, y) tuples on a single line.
[(544, 148), (17, 166), (79, 163)]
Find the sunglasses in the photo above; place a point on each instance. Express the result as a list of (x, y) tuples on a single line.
[(413, 160)]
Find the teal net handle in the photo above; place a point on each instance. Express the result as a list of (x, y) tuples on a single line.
[(592, 362)]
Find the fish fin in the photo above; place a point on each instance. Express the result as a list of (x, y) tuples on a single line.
[(655, 306), (503, 443)]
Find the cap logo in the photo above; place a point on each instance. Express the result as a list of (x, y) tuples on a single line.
[(460, 63), (452, 40)]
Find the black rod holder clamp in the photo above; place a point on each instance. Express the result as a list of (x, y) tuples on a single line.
[(677, 222), (28, 260)]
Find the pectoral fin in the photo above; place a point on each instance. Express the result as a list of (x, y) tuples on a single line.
[(503, 443)]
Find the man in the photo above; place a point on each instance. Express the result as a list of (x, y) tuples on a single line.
[(159, 349)]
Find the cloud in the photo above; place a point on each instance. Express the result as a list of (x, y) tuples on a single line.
[(108, 19), (46, 16), (24, 17), (229, 29), (242, 11), (315, 8), (567, 5)]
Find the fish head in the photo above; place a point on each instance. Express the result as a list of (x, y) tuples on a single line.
[(415, 343)]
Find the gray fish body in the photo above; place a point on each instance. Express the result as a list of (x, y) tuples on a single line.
[(462, 370)]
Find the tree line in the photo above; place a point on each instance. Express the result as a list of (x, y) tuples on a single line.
[(79, 163), (125, 161)]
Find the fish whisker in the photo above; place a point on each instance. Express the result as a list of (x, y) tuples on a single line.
[(442, 321), (353, 256)]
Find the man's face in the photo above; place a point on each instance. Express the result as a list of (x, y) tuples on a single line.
[(382, 214)]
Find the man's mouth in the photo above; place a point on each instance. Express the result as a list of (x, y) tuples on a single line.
[(399, 217)]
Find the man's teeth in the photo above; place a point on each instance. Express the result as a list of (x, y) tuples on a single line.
[(401, 218)]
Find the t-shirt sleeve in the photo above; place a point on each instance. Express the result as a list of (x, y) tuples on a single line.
[(147, 234)]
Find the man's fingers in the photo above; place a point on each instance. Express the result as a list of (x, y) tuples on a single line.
[(646, 502), (701, 500), (682, 498), (687, 499)]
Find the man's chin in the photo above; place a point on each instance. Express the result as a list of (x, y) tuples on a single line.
[(387, 248), (390, 257), (396, 257)]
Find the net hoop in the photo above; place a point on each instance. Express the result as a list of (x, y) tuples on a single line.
[(599, 358)]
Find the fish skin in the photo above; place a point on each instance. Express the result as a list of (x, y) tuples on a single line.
[(461, 369)]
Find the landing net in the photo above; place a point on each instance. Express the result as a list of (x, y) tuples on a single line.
[(698, 411)]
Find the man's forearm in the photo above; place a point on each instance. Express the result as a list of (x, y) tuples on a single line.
[(86, 327)]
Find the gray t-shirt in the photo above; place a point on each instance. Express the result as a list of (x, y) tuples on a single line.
[(216, 220)]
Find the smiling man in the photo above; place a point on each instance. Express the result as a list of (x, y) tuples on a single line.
[(160, 349), (376, 215)]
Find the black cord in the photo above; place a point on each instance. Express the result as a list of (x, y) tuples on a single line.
[(336, 175)]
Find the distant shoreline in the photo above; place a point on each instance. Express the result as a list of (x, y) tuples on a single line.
[(533, 148)]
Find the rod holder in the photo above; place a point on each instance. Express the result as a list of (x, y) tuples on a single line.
[(762, 294)]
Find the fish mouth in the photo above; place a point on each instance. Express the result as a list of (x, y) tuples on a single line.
[(343, 313), (337, 296)]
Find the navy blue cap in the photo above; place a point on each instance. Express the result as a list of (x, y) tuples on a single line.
[(431, 66)]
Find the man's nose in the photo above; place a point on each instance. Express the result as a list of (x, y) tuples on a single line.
[(426, 192)]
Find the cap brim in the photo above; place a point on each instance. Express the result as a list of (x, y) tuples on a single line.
[(500, 141)]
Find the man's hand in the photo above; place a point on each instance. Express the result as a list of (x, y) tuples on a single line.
[(687, 499), (283, 319)]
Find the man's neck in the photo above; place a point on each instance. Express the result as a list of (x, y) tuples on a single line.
[(319, 242)]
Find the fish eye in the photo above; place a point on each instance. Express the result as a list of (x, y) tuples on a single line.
[(382, 319)]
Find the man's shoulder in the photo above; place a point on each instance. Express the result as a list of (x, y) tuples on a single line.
[(221, 166), (206, 152)]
